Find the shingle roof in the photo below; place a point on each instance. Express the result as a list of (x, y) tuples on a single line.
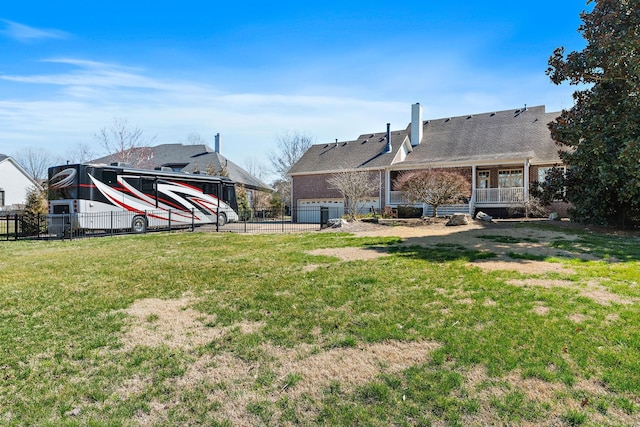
[(368, 151), (495, 136), (509, 134), (236, 173), (195, 157), (3, 157)]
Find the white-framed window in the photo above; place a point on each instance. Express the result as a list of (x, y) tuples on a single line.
[(483, 179), (509, 178), (544, 171)]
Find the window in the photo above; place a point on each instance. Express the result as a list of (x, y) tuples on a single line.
[(542, 174), (1, 198), (210, 188), (509, 178), (110, 177), (148, 185), (483, 179)]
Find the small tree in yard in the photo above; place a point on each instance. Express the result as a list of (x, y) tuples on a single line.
[(244, 210), (35, 211), (355, 187), (433, 187)]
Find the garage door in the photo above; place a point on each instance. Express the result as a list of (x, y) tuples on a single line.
[(309, 210)]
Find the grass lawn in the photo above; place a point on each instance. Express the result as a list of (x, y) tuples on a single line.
[(228, 329)]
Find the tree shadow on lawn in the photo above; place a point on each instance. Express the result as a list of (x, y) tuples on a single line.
[(521, 242)]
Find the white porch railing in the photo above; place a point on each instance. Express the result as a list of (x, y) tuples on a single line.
[(396, 198), (483, 196), (499, 195)]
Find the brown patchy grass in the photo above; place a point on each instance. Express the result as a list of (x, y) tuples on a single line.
[(155, 322)]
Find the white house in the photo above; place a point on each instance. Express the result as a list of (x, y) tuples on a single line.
[(14, 183)]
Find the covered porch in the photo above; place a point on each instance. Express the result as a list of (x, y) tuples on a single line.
[(492, 186)]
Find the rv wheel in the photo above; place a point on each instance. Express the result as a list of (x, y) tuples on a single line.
[(222, 219), (139, 224)]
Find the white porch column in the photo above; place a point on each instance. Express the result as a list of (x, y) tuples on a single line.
[(526, 180), (474, 184), (387, 188)]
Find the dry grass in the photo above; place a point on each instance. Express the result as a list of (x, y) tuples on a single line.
[(172, 323)]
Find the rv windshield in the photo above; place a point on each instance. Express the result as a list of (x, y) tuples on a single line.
[(63, 182)]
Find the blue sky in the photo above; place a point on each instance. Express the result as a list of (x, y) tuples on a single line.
[(253, 71)]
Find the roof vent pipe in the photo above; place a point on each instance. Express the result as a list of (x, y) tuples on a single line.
[(388, 147), (217, 139), (416, 124)]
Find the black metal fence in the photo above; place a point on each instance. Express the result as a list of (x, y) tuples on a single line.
[(71, 226)]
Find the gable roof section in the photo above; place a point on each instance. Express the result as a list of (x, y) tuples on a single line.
[(501, 135), (236, 173), (366, 152), (18, 166)]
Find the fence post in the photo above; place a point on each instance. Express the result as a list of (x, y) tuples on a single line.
[(169, 219), (15, 228), (193, 219)]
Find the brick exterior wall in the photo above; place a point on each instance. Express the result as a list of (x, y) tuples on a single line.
[(317, 187)]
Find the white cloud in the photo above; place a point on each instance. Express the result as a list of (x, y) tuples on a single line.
[(88, 96), (24, 33)]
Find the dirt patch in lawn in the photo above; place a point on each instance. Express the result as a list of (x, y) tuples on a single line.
[(522, 266), (293, 372), (593, 290), (303, 370), (555, 397), (172, 323), (352, 254)]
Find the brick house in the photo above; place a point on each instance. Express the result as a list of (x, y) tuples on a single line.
[(501, 153)]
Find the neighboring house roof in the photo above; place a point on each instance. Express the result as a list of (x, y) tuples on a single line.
[(189, 158), (5, 158), (469, 139)]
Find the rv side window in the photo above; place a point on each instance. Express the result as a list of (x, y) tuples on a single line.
[(148, 185), (109, 177), (210, 189)]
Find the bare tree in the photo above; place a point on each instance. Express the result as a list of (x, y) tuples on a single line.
[(194, 138), (126, 143), (81, 153), (255, 167), (433, 187), (355, 187), (291, 147), (36, 162)]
